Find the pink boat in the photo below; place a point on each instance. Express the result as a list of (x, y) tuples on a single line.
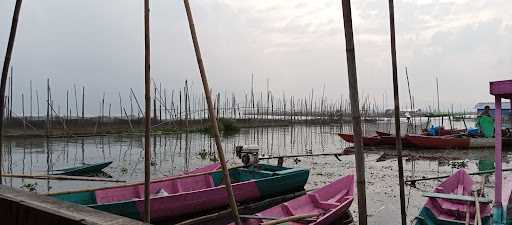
[(451, 201), (184, 195), (330, 202)]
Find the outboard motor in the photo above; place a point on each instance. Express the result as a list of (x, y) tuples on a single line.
[(249, 154)]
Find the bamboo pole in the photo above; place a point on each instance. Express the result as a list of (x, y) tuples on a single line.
[(356, 116), (5, 71), (10, 95), (83, 103), (76, 100), (31, 115), (147, 115), (397, 113), (213, 115)]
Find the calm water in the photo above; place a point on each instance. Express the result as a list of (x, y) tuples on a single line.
[(174, 154)]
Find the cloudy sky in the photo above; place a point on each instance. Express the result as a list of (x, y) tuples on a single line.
[(297, 45)]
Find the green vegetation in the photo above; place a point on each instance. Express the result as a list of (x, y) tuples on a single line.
[(227, 127), (30, 187)]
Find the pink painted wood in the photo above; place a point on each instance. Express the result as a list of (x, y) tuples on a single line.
[(501, 88), (459, 183), (331, 201), (129, 192), (198, 199), (498, 175), (176, 197)]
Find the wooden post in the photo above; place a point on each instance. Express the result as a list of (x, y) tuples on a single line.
[(120, 106), (437, 91), (213, 115), (10, 95), (37, 102), (76, 101), (155, 116), (147, 115), (5, 71), (397, 112), (83, 102), (356, 116), (31, 115), (498, 154)]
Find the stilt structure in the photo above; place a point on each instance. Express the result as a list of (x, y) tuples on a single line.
[(356, 115), (500, 90), (5, 71), (397, 113), (212, 115)]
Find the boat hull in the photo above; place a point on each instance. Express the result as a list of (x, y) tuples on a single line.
[(193, 194), (426, 217), (449, 142), (451, 211), (367, 141), (331, 202), (83, 170)]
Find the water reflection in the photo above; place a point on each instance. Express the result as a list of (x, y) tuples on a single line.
[(178, 153)]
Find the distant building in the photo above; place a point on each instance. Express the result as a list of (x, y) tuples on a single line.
[(505, 108)]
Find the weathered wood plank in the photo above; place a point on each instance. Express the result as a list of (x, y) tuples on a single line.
[(24, 208), (463, 198)]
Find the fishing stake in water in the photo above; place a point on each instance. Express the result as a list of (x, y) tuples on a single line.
[(356, 115), (5, 71)]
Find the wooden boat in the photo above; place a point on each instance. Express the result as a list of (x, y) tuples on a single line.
[(367, 141), (82, 170), (383, 134), (443, 132), (390, 139), (449, 142), (450, 202), (327, 203), (381, 139), (182, 195)]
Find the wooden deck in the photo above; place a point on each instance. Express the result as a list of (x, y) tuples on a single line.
[(18, 207)]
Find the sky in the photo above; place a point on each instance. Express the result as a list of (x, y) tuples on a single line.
[(296, 46)]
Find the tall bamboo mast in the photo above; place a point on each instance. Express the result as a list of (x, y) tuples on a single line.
[(213, 115), (356, 116), (147, 115), (5, 71), (397, 113)]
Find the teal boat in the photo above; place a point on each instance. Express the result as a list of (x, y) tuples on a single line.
[(82, 170), (192, 193)]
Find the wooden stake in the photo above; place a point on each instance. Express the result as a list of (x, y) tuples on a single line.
[(397, 113), (83, 102), (213, 115), (356, 116), (5, 71), (147, 115), (31, 115), (10, 95), (76, 100)]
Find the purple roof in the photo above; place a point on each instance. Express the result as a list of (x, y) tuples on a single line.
[(501, 88)]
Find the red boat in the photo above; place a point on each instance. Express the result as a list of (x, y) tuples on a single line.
[(383, 134), (390, 139), (367, 141), (449, 142)]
